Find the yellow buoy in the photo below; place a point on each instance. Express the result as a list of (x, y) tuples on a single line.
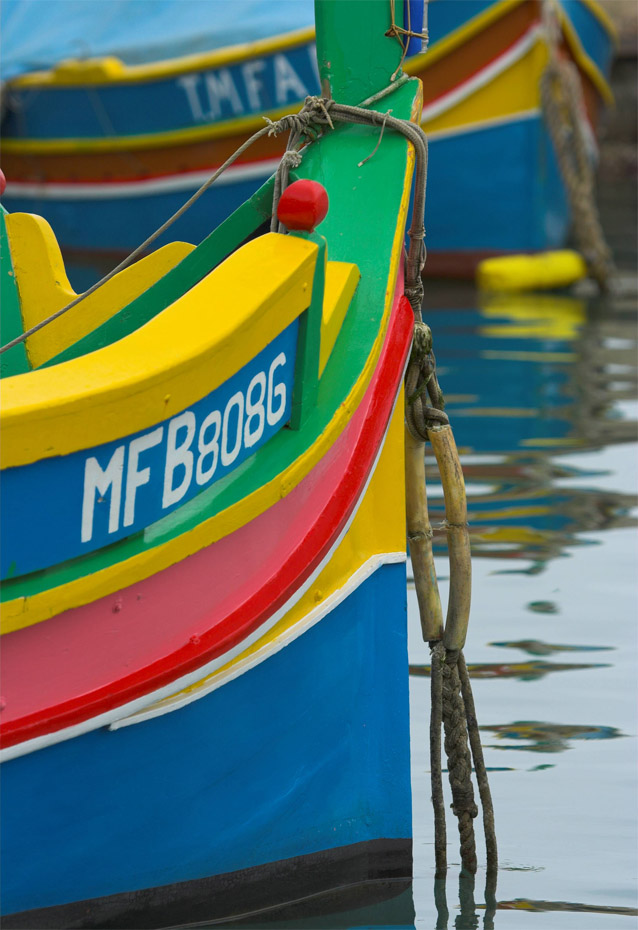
[(541, 272)]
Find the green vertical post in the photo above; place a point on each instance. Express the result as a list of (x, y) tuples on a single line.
[(306, 383), (356, 59)]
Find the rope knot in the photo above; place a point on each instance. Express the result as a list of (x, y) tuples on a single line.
[(291, 159), (421, 380)]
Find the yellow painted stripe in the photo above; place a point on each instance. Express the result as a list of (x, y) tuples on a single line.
[(89, 71), (44, 287), (178, 357), (587, 64), (378, 527), (23, 612), (341, 282), (513, 92)]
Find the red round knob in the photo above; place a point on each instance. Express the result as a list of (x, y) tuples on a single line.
[(303, 205), (3, 182)]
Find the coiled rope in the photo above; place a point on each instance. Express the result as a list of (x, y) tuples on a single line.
[(452, 702)]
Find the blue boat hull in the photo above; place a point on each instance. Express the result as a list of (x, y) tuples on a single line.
[(303, 757)]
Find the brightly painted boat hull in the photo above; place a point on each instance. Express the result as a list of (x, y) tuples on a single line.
[(498, 188), (210, 697), (324, 766)]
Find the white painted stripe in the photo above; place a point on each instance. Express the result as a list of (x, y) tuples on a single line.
[(165, 185), (212, 683), (483, 77), (125, 710)]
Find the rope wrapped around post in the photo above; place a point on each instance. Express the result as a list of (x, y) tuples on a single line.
[(452, 703)]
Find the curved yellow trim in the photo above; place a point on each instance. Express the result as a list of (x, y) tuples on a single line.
[(583, 60), (99, 71), (600, 13), (151, 140), (461, 35), (22, 612), (178, 357), (378, 528), (511, 93), (44, 287)]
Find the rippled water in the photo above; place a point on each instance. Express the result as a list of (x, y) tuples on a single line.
[(541, 392)]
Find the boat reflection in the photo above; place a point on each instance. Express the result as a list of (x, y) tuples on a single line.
[(523, 671), (535, 647), (546, 737), (531, 378)]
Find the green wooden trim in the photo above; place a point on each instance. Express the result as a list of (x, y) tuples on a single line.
[(14, 361), (360, 228), (306, 384), (214, 249), (356, 59)]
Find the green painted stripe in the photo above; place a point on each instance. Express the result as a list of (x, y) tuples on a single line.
[(360, 228), (14, 361), (214, 249)]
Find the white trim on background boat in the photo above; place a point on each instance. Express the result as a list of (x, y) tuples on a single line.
[(106, 190)]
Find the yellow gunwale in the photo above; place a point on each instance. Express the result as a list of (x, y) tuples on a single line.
[(111, 393), (170, 67), (22, 612)]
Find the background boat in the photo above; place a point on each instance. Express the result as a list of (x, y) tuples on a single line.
[(132, 132)]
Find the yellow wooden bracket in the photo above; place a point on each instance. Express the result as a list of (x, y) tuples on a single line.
[(178, 357), (43, 286), (341, 282)]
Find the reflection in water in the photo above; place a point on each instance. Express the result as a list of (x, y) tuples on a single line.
[(467, 917), (535, 647), (548, 737), (534, 377), (523, 671), (523, 904)]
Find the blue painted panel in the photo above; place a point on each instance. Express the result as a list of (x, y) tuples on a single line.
[(591, 32), (198, 98), (445, 16), (308, 751), (498, 188), (97, 224), (62, 507)]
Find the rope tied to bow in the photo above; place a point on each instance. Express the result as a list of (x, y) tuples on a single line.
[(452, 703)]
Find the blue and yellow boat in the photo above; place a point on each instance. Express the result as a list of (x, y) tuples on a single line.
[(164, 92)]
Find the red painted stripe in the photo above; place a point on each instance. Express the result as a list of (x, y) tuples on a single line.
[(96, 657)]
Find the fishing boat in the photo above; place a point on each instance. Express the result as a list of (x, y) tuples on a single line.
[(163, 92), (205, 676)]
